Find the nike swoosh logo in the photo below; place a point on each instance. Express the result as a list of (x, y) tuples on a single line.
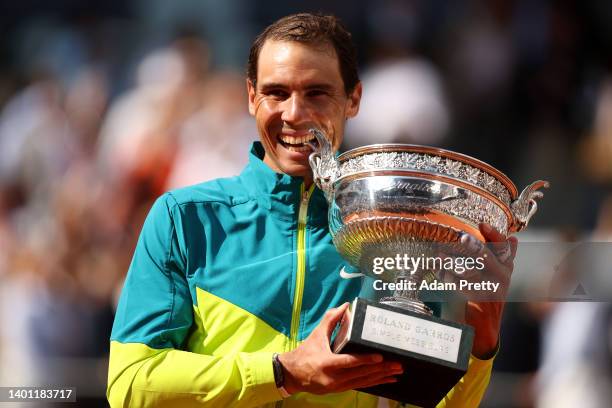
[(347, 275)]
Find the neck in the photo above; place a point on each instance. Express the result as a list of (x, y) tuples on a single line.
[(307, 177)]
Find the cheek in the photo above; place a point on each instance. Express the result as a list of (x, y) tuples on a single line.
[(266, 112), (329, 109), (338, 135), (268, 119), (331, 119)]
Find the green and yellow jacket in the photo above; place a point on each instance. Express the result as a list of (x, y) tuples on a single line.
[(224, 274)]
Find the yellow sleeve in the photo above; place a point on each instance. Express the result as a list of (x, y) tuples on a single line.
[(147, 366), (140, 376), (468, 392)]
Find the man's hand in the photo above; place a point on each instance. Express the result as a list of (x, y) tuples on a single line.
[(485, 316), (312, 367)]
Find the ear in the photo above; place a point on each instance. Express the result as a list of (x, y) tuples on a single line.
[(354, 99), (251, 93)]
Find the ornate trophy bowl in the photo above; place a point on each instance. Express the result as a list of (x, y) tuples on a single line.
[(387, 199), (390, 199)]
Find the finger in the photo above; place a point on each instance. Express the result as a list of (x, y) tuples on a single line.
[(471, 244), (493, 271), (490, 234), (332, 317), (475, 248), (494, 268), (365, 382), (354, 360), (504, 249), (387, 368)]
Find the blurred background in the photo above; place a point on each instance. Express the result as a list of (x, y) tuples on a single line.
[(104, 105)]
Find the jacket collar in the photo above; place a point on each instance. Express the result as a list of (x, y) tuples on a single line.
[(279, 192)]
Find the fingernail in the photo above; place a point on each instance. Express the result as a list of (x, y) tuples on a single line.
[(396, 366), (377, 358), (471, 243)]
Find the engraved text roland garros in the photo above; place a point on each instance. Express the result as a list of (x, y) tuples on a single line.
[(411, 333), (403, 185)]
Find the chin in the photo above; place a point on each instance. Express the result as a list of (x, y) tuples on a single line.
[(297, 170)]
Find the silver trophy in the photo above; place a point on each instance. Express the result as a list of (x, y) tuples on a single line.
[(390, 199)]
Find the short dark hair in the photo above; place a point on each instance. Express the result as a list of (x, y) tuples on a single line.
[(310, 28)]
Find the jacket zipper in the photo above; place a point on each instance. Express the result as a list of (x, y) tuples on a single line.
[(301, 264)]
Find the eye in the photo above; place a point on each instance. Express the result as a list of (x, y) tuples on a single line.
[(276, 93), (316, 92)]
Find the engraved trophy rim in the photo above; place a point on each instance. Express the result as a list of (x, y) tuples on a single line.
[(432, 150), (428, 175)]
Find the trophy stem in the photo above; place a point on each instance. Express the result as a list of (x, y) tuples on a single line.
[(406, 298)]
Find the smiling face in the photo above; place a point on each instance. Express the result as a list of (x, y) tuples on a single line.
[(298, 86)]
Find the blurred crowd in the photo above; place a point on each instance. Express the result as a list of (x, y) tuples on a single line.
[(105, 106)]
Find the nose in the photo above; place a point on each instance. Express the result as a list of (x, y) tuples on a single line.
[(294, 110)]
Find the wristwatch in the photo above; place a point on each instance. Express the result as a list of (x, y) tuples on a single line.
[(279, 377)]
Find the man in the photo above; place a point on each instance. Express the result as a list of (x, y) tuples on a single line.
[(228, 273)]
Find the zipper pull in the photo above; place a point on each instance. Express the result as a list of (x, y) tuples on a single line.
[(303, 207)]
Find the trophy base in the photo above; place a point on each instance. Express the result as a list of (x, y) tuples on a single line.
[(434, 352)]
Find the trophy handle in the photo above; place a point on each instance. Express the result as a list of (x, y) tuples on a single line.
[(324, 165), (525, 206)]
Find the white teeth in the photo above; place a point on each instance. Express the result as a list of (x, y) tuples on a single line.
[(298, 149), (296, 139)]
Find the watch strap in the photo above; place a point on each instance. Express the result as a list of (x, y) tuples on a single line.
[(279, 376)]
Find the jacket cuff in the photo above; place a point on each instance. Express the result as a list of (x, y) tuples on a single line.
[(260, 377)]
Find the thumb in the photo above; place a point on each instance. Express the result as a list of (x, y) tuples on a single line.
[(332, 317)]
